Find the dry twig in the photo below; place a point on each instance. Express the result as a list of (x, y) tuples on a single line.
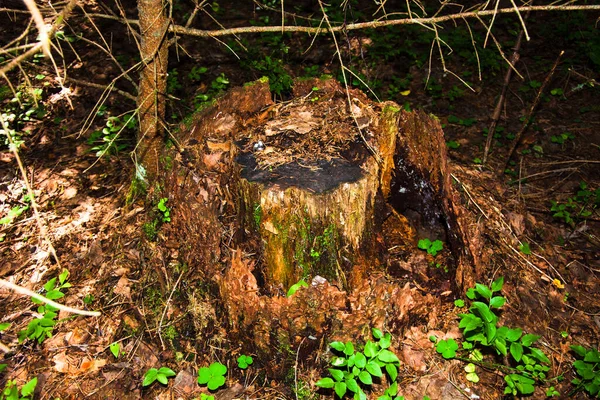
[(531, 111)]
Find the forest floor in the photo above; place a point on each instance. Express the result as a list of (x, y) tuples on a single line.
[(105, 233)]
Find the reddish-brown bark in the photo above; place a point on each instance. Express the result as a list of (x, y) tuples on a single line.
[(153, 84)]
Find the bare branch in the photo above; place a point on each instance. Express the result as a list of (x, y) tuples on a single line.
[(356, 26), (34, 295), (64, 14)]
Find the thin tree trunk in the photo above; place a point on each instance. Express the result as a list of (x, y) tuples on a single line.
[(153, 85)]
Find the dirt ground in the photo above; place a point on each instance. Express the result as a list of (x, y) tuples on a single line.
[(165, 313)]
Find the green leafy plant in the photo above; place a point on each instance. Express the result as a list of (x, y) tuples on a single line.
[(578, 207), (452, 144), (217, 86), (588, 369), (453, 119), (164, 210), (88, 299), (528, 365), (13, 214), (11, 390), (431, 247), (41, 328), (173, 83), (220, 83), (524, 247), (280, 80), (115, 349), (197, 73), (351, 369), (20, 113), (391, 393), (296, 286), (213, 376), (3, 326), (161, 375), (562, 138), (110, 140), (244, 361), (552, 392)]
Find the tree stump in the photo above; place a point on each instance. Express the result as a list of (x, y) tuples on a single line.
[(311, 182), (308, 182)]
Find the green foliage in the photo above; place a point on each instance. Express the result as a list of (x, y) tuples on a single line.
[(391, 393), (447, 348), (164, 210), (431, 247), (578, 207), (562, 138), (115, 349), (213, 376), (217, 86), (296, 286), (110, 139), (352, 370), (173, 84), (453, 119), (280, 81), (16, 211), (452, 144), (19, 113), (257, 214), (588, 369), (41, 328), (150, 230), (481, 331), (11, 390), (197, 73), (161, 375), (524, 247), (455, 93), (88, 299), (552, 392), (244, 361)]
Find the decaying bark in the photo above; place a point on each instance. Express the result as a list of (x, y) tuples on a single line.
[(262, 195), (153, 85)]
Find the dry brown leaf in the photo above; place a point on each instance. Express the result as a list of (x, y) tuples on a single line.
[(123, 287)]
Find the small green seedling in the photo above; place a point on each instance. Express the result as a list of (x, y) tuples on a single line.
[(164, 210), (352, 369), (391, 393), (115, 349), (471, 374), (588, 369), (11, 390), (562, 138), (213, 376), (452, 144), (88, 299), (41, 328), (296, 286), (432, 248), (459, 303), (525, 248), (447, 348), (482, 334), (552, 392), (244, 361), (161, 375)]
